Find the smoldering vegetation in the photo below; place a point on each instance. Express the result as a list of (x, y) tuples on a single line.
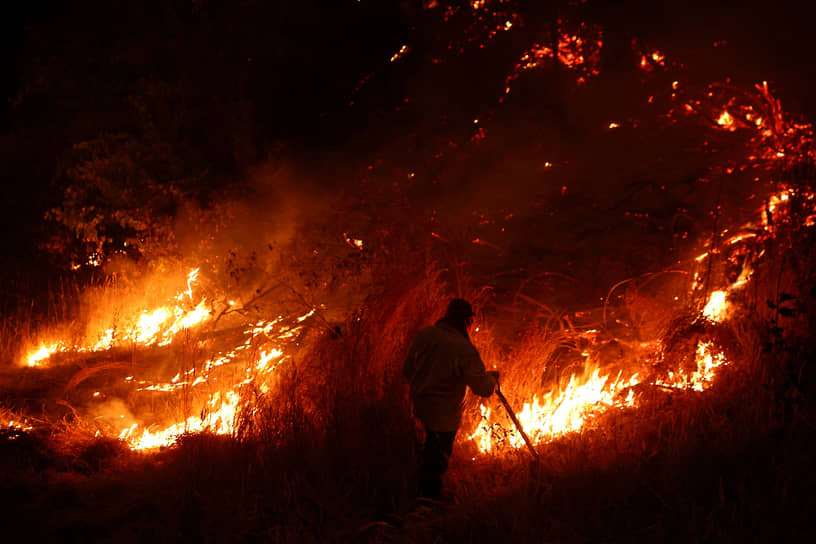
[(328, 453)]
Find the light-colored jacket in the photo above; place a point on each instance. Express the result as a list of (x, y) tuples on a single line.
[(441, 363)]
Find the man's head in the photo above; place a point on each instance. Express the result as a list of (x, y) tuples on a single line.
[(460, 312)]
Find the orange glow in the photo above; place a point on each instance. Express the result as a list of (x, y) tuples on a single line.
[(213, 384), (399, 54), (16, 425), (157, 326), (589, 394), (41, 354), (560, 411), (716, 309), (653, 58), (222, 407), (726, 121), (219, 419), (354, 242), (577, 51), (708, 358)]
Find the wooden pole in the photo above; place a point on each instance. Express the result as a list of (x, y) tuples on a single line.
[(515, 420)]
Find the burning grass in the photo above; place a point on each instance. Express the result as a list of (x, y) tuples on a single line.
[(653, 412), (729, 463), (260, 397)]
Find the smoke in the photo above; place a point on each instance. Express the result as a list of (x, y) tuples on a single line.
[(115, 412)]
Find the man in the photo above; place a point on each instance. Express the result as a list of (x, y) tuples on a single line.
[(440, 365)]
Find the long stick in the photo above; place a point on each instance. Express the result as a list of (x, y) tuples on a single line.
[(515, 420)]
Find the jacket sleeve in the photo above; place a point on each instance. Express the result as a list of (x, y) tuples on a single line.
[(473, 370)]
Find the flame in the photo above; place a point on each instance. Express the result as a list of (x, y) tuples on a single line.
[(569, 409), (560, 411), (157, 326), (219, 419), (43, 353), (261, 351), (707, 358), (222, 407), (14, 425), (564, 409), (716, 309)]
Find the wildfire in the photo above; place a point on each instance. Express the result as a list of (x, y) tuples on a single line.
[(219, 419), (157, 326), (566, 408), (260, 351), (569, 409), (42, 354), (222, 407), (559, 412), (716, 309)]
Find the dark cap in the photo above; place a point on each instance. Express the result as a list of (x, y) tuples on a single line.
[(459, 307)]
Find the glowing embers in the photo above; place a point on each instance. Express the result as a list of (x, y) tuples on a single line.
[(94, 260), (354, 242), (777, 209), (773, 208), (401, 53), (16, 425), (726, 121), (773, 135), (580, 51), (477, 22), (649, 61)]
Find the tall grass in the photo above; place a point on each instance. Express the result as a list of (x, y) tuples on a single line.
[(329, 452)]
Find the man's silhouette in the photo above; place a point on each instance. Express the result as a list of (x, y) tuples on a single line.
[(440, 365)]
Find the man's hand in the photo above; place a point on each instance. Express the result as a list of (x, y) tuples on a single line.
[(495, 375)]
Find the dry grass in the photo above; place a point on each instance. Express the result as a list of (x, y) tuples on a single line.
[(329, 453)]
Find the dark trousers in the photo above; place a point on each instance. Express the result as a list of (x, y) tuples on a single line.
[(435, 455)]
